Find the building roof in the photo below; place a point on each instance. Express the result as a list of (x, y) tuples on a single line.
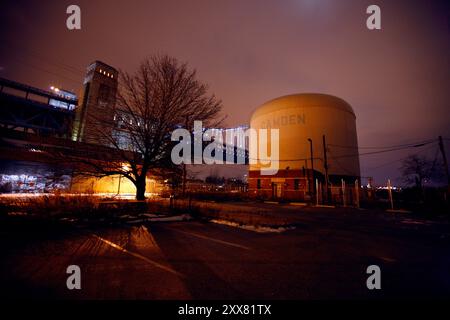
[(306, 100)]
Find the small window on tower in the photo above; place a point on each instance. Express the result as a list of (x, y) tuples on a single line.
[(296, 184), (258, 184)]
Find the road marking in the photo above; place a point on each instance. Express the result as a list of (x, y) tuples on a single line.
[(213, 239), (137, 255)]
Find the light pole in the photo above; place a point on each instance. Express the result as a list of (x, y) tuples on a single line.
[(325, 166), (312, 166)]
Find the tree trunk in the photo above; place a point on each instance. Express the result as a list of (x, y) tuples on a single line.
[(140, 188)]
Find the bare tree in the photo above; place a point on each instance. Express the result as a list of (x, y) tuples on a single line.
[(158, 98), (416, 170)]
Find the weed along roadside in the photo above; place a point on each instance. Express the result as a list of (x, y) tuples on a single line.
[(92, 210)]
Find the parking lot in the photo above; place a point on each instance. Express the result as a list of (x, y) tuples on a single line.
[(324, 257)]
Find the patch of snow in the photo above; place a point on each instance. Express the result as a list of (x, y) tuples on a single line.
[(126, 216), (17, 213), (136, 221), (149, 215), (183, 217), (398, 211), (420, 222), (259, 229)]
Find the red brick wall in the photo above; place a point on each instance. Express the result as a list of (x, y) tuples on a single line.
[(288, 186)]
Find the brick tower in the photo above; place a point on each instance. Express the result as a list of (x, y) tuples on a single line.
[(95, 113)]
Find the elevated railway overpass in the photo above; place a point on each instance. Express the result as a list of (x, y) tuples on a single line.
[(33, 121), (30, 109)]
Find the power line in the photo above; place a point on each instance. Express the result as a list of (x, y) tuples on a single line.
[(18, 61), (286, 160), (397, 160), (413, 144), (341, 166), (382, 151), (354, 155), (55, 62)]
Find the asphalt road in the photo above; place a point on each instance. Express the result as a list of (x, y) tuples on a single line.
[(324, 257)]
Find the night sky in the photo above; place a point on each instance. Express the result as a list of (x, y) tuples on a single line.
[(396, 79)]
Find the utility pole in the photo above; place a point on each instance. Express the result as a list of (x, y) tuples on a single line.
[(391, 200), (444, 157), (357, 193), (325, 165), (184, 178), (344, 199), (317, 193), (306, 174), (312, 165)]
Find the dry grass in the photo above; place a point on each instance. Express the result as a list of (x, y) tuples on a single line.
[(49, 205), (94, 207), (240, 215), (82, 206)]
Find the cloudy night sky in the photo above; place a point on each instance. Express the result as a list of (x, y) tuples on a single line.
[(396, 79)]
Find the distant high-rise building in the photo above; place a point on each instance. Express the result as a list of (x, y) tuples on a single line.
[(97, 104)]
